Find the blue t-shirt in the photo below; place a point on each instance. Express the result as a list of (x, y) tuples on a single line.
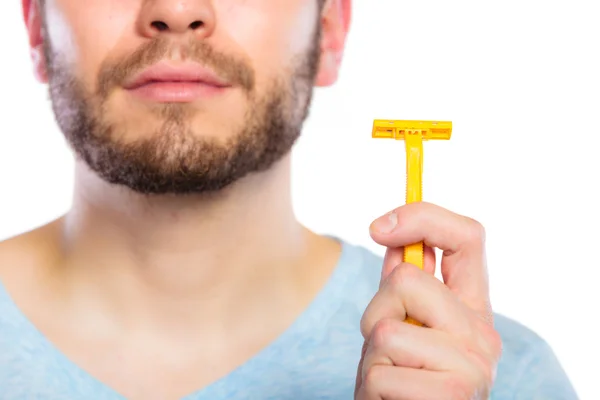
[(316, 358)]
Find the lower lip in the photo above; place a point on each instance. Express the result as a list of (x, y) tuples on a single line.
[(176, 92)]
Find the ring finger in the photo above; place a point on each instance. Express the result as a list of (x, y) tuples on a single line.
[(395, 343)]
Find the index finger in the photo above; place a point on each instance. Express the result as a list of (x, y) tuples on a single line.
[(462, 239)]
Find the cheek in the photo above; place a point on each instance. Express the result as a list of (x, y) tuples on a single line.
[(85, 33), (270, 33)]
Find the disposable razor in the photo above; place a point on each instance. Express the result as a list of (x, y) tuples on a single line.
[(413, 133)]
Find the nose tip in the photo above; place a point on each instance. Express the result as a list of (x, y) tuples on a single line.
[(177, 17)]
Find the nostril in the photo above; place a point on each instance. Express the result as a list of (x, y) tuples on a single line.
[(160, 26), (196, 24)]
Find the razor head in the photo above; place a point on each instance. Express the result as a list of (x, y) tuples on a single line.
[(398, 129)]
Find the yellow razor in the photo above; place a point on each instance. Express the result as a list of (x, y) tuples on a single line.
[(413, 133)]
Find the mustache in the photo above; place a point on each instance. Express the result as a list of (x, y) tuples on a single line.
[(114, 73)]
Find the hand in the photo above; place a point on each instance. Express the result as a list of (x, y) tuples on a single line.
[(455, 354)]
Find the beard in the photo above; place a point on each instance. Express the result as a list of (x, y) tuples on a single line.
[(172, 158)]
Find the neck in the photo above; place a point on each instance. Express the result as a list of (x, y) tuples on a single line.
[(189, 258)]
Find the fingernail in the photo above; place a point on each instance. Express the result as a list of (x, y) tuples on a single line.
[(387, 223)]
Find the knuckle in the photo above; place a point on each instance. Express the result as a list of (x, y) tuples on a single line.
[(457, 387), (494, 340), (475, 231), (491, 337), (369, 317), (403, 275), (366, 324), (483, 372), (373, 377), (383, 333)]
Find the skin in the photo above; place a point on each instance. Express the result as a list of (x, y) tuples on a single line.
[(455, 354), (175, 281)]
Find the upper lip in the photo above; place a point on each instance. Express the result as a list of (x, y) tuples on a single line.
[(165, 72)]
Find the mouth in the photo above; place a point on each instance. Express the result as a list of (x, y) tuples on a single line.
[(170, 83)]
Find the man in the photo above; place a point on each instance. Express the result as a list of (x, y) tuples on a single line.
[(181, 271)]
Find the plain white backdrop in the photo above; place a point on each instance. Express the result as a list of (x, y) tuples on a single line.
[(520, 81)]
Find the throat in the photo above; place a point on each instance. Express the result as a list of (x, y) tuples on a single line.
[(211, 293)]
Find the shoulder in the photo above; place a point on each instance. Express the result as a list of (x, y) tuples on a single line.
[(15, 252), (28, 249), (528, 367), (361, 273), (24, 269)]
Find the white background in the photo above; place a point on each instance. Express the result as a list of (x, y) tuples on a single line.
[(520, 81)]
